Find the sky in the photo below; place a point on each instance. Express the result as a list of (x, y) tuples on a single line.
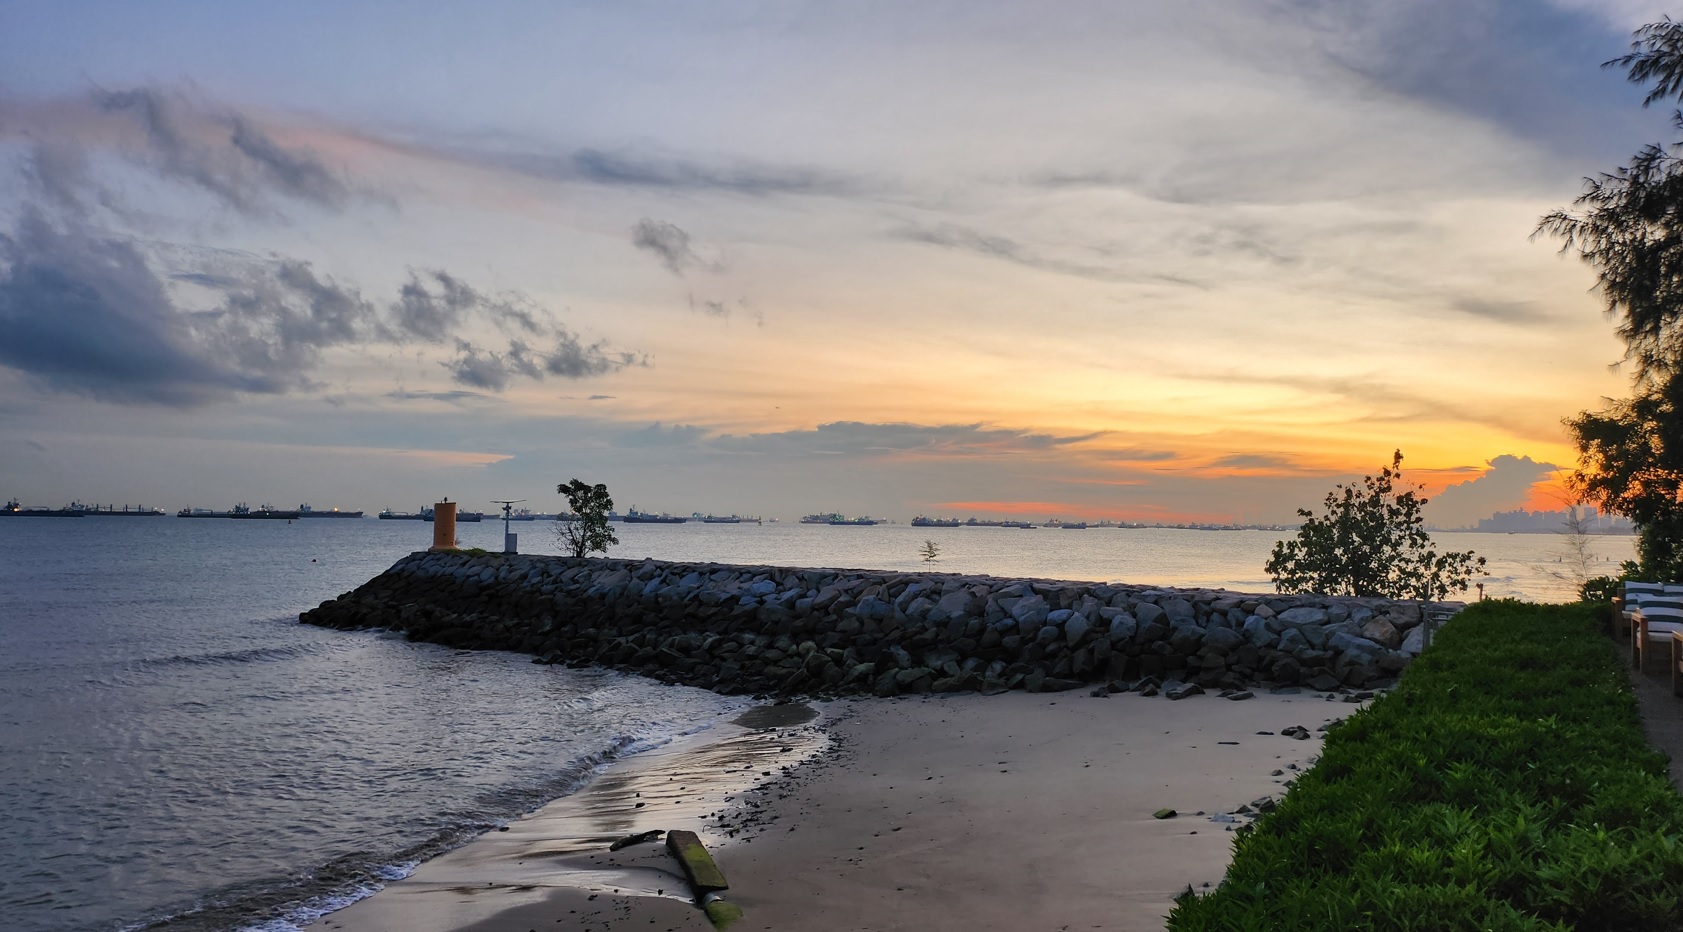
[(1192, 262)]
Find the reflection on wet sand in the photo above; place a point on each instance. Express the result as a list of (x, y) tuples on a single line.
[(563, 847)]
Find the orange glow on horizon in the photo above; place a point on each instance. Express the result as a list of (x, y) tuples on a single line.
[(1145, 514)]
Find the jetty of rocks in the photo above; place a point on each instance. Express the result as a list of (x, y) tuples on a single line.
[(790, 631)]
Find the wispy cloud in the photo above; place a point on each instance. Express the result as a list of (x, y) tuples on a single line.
[(668, 242)]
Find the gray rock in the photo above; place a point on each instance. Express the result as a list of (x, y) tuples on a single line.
[(1222, 640), (1182, 690), (1257, 632), (1304, 615), (1292, 641), (1185, 639), (1345, 643), (1147, 613), (1030, 613), (1287, 670), (1381, 632), (1048, 634), (1179, 610), (1076, 628), (1414, 641), (1122, 627)]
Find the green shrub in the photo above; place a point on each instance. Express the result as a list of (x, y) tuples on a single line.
[(1505, 784)]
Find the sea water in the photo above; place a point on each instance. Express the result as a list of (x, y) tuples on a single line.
[(178, 753)]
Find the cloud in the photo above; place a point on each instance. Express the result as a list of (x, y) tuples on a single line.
[(214, 149), (1264, 461), (1527, 67), (855, 438), (1504, 312), (659, 435), (755, 179), (601, 398), (451, 397), (667, 241), (1505, 485), (84, 313), (991, 246)]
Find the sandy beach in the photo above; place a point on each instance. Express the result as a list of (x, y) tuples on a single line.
[(1015, 811)]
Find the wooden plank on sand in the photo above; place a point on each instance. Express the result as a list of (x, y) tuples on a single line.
[(704, 876)]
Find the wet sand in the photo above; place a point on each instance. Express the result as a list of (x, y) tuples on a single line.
[(955, 812)]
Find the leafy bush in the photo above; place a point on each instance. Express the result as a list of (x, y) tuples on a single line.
[(1599, 589), (1505, 784), (1372, 542)]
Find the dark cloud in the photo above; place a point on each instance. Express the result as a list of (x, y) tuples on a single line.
[(601, 398), (571, 359), (432, 305), (86, 315), (205, 279), (218, 151), (667, 241), (742, 177)]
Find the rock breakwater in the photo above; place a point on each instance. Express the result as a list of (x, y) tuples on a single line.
[(792, 631)]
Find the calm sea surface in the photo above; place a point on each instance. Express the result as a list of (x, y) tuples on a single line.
[(177, 752)]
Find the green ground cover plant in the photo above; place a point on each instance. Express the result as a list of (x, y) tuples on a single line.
[(1504, 784)]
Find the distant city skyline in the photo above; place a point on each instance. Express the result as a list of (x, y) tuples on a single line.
[(1160, 263)]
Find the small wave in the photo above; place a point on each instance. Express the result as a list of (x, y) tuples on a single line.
[(287, 905), (231, 657)]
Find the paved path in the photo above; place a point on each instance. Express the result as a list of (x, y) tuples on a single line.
[(1662, 713)]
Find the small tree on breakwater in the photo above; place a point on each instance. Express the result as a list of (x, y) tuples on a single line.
[(1372, 542), (588, 532)]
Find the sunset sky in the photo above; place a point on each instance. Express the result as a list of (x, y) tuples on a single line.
[(1137, 260)]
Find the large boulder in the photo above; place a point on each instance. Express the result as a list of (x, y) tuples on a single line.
[(1222, 640)]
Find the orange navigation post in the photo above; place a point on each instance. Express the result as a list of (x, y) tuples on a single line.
[(444, 525)]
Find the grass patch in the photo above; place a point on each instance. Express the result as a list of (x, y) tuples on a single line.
[(1505, 784)]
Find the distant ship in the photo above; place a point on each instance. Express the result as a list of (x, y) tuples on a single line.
[(425, 514), (1074, 525), (14, 510), (262, 513), (642, 517), (824, 518), (127, 511), (462, 517), (728, 519), (306, 511), (921, 521), (1019, 524), (839, 521), (200, 513)]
